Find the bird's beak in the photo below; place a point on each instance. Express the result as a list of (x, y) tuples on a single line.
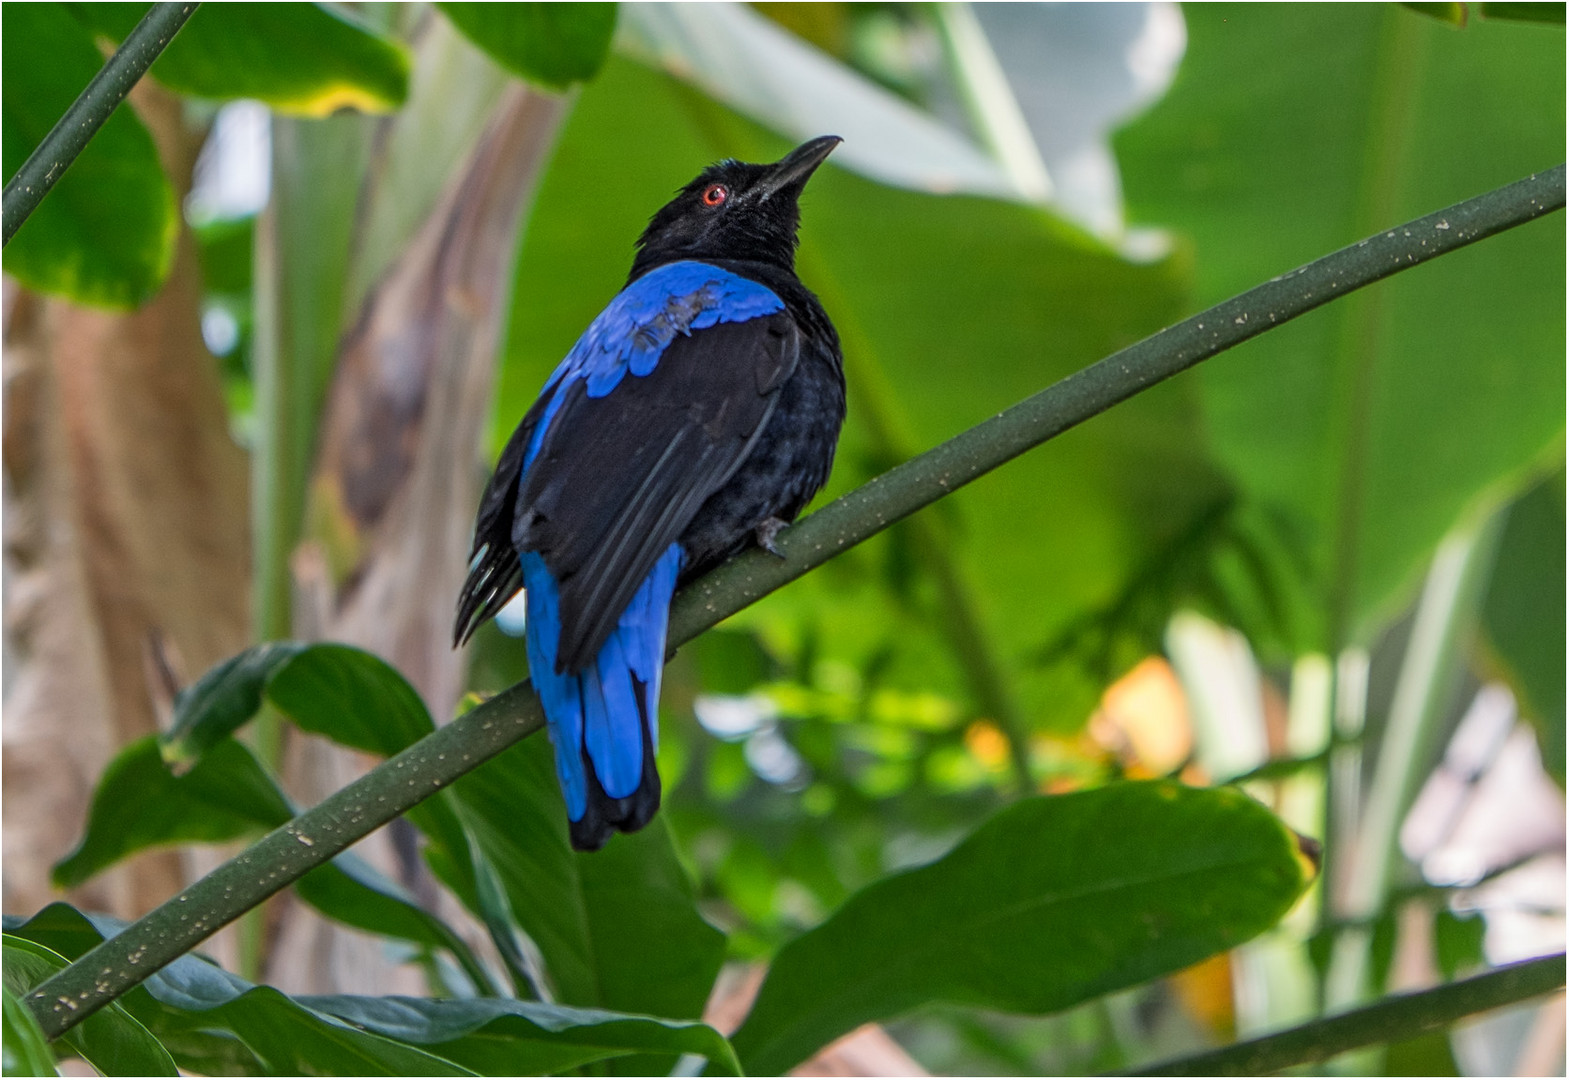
[(792, 171)]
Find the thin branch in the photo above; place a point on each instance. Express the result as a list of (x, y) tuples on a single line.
[(291, 850), (87, 113), (1393, 1018)]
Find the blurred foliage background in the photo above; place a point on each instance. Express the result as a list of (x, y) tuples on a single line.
[(264, 339)]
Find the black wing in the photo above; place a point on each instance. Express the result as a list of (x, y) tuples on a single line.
[(495, 575), (619, 478)]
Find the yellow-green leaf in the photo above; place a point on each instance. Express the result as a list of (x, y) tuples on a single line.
[(304, 59)]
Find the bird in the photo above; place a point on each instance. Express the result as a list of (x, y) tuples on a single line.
[(696, 416)]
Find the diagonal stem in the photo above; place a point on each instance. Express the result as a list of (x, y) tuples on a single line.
[(288, 852), (1402, 1016), (71, 134)]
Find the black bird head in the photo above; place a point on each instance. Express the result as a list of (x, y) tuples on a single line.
[(734, 210)]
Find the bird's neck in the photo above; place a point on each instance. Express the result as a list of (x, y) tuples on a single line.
[(761, 267)]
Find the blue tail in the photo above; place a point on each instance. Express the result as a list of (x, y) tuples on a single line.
[(604, 720)]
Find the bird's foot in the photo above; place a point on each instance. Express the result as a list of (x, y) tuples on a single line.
[(765, 533)]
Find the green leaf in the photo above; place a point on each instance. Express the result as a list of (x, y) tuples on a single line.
[(553, 44), (110, 1040), (358, 700), (500, 1037), (225, 698), (140, 803), (1527, 12), (303, 59), (351, 696), (348, 1035), (24, 1050), (193, 996), (1052, 902), (1370, 428), (574, 909), (654, 955), (347, 694), (105, 234), (1524, 613)]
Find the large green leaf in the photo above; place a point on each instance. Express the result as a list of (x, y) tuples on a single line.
[(105, 234), (141, 803), (226, 696), (346, 1035), (1524, 613), (110, 1040), (356, 699), (351, 696), (24, 1051), (304, 59), (618, 928), (495, 1036), (193, 995), (346, 694), (950, 309), (209, 1053), (1372, 426), (1052, 902), (553, 44)]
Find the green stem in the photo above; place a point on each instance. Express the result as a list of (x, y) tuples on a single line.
[(1389, 1020), (288, 852), (70, 136), (1445, 615)]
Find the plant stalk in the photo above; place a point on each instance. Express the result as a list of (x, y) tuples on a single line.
[(291, 850), (1402, 1016), (92, 107), (1446, 613)]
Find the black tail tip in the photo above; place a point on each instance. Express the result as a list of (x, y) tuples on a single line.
[(605, 815), (612, 815)]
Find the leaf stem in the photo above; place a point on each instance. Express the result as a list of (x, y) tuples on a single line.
[(288, 852), (1446, 614), (1394, 1018), (92, 107)]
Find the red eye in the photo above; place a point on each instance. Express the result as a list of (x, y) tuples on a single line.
[(715, 194)]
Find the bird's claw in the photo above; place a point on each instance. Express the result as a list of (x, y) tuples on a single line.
[(765, 533)]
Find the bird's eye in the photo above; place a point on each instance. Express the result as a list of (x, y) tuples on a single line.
[(715, 194)]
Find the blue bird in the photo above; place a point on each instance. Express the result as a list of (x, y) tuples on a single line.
[(697, 414)]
